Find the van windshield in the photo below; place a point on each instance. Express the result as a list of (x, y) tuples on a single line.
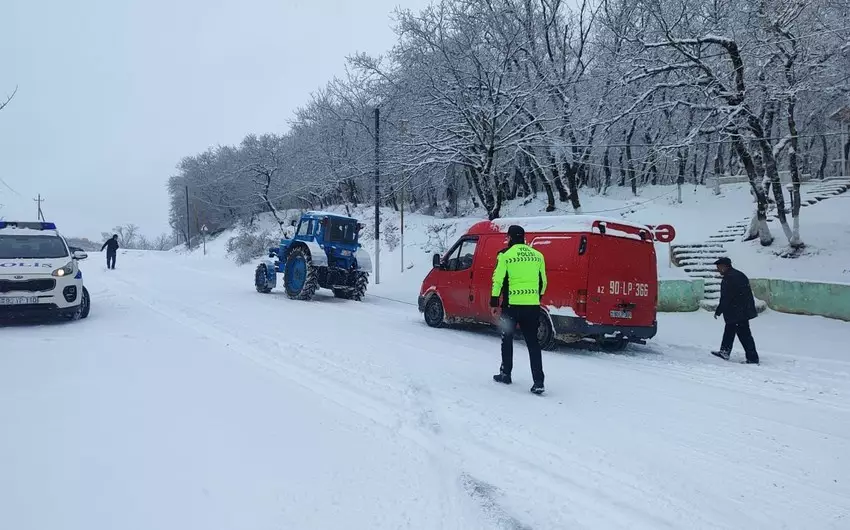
[(32, 247)]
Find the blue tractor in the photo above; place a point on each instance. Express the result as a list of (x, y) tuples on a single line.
[(324, 252)]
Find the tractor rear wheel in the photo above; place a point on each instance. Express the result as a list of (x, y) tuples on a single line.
[(299, 275), (261, 279)]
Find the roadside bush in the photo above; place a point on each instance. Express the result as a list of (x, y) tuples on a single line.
[(247, 245)]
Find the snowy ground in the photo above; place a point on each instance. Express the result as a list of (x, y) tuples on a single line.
[(188, 400)]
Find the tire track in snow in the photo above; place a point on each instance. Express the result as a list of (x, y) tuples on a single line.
[(376, 410)]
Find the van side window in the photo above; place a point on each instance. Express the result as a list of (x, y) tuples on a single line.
[(461, 258)]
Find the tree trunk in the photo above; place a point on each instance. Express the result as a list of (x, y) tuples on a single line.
[(706, 156), (392, 200), (718, 168), (824, 159), (793, 164), (606, 166), (758, 226), (629, 160), (547, 186), (573, 181), (622, 169)]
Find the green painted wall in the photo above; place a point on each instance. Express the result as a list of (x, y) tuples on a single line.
[(676, 296), (804, 298)]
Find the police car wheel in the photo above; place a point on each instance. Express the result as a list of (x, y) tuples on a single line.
[(434, 312), (85, 304)]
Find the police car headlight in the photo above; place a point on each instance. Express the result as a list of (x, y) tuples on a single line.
[(67, 270)]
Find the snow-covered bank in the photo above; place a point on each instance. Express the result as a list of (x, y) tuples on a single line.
[(189, 400)]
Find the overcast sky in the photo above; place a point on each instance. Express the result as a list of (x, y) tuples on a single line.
[(112, 93)]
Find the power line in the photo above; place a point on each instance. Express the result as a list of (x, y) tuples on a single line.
[(10, 188)]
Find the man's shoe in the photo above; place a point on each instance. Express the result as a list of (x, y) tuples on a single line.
[(749, 362), (537, 389), (723, 354), (503, 378)]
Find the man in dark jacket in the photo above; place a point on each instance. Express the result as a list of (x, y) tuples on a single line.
[(111, 247), (738, 307), (520, 278)]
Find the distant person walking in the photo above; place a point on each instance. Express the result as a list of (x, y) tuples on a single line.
[(520, 279), (111, 247), (738, 307)]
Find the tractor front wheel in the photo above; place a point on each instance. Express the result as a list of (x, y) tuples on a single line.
[(261, 279), (300, 275), (360, 283)]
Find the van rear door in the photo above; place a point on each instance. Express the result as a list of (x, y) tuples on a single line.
[(622, 281)]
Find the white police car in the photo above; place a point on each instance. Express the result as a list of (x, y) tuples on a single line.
[(39, 273)]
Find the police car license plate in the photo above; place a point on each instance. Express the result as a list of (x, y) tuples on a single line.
[(18, 300), (621, 314)]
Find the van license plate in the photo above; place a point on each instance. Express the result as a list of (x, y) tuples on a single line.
[(18, 300), (621, 314)]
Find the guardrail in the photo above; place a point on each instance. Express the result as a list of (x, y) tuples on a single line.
[(679, 296), (831, 300)]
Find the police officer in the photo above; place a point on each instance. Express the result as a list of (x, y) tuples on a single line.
[(520, 279)]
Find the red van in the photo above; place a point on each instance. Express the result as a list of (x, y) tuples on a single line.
[(603, 281)]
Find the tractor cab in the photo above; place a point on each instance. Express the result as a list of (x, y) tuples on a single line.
[(328, 228)]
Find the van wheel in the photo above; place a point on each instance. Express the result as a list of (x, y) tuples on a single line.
[(434, 312), (546, 333), (612, 344)]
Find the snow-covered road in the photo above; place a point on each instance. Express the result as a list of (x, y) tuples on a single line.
[(188, 400)]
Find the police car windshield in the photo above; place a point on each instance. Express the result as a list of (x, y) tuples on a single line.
[(342, 231), (32, 247)]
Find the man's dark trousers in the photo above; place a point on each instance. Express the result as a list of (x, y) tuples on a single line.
[(110, 259), (742, 329), (528, 318)]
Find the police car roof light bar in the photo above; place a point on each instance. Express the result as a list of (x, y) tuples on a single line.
[(31, 226)]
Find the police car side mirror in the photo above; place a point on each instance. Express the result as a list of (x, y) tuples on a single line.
[(79, 255), (437, 262)]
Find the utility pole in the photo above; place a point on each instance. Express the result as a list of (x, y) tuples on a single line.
[(39, 200), (377, 196), (188, 226), (403, 186)]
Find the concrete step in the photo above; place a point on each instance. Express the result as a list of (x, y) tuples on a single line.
[(699, 268), (712, 288), (706, 276), (697, 251), (688, 261), (702, 249), (724, 239), (712, 296)]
